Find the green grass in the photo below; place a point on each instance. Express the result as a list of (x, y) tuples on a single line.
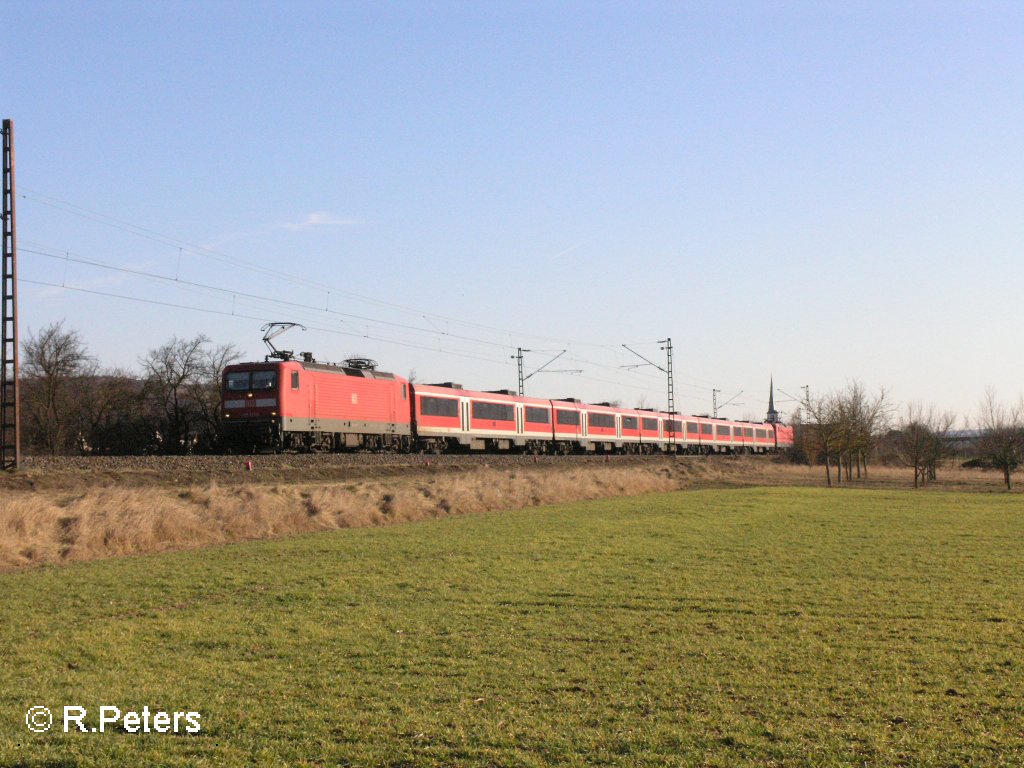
[(719, 628)]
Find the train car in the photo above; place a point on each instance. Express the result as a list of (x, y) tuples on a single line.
[(567, 431), (447, 416), (305, 405), (650, 430), (629, 430), (783, 437)]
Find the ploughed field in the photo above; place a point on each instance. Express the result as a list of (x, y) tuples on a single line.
[(744, 626)]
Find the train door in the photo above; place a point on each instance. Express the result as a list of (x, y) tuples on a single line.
[(465, 416)]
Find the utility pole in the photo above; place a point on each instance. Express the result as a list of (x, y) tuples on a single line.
[(671, 390), (518, 357), (667, 346), (519, 362), (714, 401), (10, 412)]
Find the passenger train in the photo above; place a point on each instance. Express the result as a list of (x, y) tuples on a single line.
[(301, 404)]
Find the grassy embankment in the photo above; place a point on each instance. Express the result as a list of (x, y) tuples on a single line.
[(111, 507), (726, 627)]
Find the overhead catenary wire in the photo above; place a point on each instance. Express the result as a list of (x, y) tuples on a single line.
[(181, 246), (198, 250), (235, 294)]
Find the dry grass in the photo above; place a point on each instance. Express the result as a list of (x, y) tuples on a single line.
[(46, 526)]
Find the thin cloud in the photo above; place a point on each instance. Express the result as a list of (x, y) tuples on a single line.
[(322, 219), (569, 250)]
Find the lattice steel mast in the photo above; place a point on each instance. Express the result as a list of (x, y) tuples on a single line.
[(10, 421)]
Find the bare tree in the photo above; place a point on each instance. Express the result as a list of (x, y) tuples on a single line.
[(923, 440), (182, 383), (823, 427), (113, 418), (53, 360), (1002, 438)]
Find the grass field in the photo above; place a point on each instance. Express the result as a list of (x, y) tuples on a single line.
[(785, 626)]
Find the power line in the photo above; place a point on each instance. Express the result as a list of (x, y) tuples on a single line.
[(198, 250), (319, 311), (66, 257), (263, 318), (182, 246)]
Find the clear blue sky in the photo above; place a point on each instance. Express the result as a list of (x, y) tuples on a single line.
[(812, 191)]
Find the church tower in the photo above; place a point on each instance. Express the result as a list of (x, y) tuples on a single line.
[(773, 415)]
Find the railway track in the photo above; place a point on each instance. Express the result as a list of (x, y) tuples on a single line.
[(71, 472)]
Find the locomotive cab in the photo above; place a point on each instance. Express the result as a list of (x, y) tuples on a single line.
[(250, 398)]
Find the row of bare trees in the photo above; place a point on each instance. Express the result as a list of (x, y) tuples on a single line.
[(70, 404), (1001, 435), (842, 428), (847, 428)]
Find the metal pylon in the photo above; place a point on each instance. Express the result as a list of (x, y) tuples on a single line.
[(671, 389), (10, 432)]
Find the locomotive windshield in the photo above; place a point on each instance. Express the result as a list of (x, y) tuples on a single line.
[(243, 381), (264, 379), (238, 382)]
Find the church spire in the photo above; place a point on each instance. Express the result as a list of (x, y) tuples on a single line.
[(773, 415)]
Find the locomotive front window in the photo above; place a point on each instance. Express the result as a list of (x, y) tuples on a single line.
[(238, 382), (264, 379)]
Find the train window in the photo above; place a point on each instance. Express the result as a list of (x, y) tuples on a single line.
[(721, 430), (568, 418), (705, 429), (604, 420), (651, 425), (493, 411), (538, 415), (761, 434), (238, 381), (748, 431), (295, 379), (439, 406), (629, 422), (264, 379), (691, 427), (673, 426)]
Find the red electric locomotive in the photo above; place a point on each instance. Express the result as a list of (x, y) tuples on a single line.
[(284, 403)]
